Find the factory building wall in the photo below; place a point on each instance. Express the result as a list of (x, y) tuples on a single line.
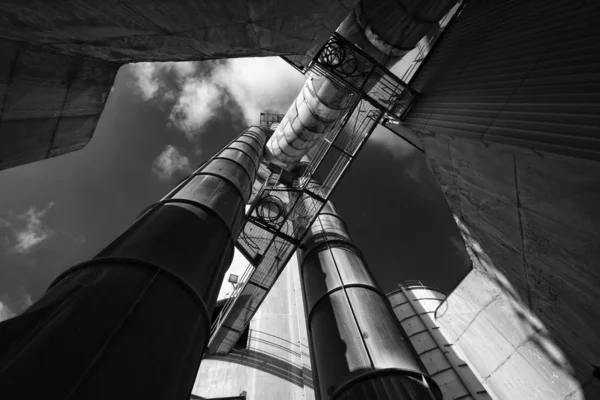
[(276, 363), (173, 30), (415, 306), (509, 116), (506, 345), (59, 58), (49, 103)]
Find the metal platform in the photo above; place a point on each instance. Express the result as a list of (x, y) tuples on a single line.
[(287, 204)]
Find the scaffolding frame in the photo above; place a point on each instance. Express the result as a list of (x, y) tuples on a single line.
[(284, 209)]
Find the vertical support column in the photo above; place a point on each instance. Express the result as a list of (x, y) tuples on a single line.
[(134, 321), (358, 348)]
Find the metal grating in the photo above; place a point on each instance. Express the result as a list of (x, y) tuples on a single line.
[(268, 119), (284, 209), (348, 65)]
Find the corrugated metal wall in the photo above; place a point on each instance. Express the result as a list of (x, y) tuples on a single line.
[(523, 73), (509, 115)]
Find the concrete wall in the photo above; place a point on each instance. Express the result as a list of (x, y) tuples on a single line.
[(531, 222), (506, 345), (172, 30), (59, 58), (49, 103), (509, 117), (415, 307), (276, 364)]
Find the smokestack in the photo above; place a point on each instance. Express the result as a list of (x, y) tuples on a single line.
[(133, 322), (358, 348)]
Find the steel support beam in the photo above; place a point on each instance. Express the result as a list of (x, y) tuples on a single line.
[(133, 322), (358, 348)]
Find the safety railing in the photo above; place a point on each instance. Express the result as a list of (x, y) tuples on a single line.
[(285, 209), (425, 46)]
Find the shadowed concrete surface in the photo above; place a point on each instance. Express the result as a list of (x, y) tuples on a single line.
[(50, 103), (509, 116), (161, 30), (59, 58)]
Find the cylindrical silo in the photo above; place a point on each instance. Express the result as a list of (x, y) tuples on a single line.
[(415, 305), (272, 362)]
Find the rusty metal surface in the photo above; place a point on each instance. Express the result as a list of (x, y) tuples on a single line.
[(508, 115)]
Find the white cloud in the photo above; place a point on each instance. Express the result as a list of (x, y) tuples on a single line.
[(149, 78), (14, 304), (5, 312), (260, 84), (196, 105), (255, 84), (34, 231), (169, 161), (146, 79), (79, 239)]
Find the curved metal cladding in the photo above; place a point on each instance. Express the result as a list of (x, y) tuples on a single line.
[(134, 321), (358, 348)]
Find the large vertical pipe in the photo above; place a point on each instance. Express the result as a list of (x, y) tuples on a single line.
[(358, 348), (133, 322)]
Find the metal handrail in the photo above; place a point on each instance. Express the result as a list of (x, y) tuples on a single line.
[(244, 280)]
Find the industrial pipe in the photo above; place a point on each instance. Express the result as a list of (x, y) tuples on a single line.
[(358, 348), (133, 322), (386, 30)]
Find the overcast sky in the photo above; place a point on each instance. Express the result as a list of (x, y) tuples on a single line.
[(160, 122)]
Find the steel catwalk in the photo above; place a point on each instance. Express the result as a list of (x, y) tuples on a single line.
[(134, 321), (385, 30)]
